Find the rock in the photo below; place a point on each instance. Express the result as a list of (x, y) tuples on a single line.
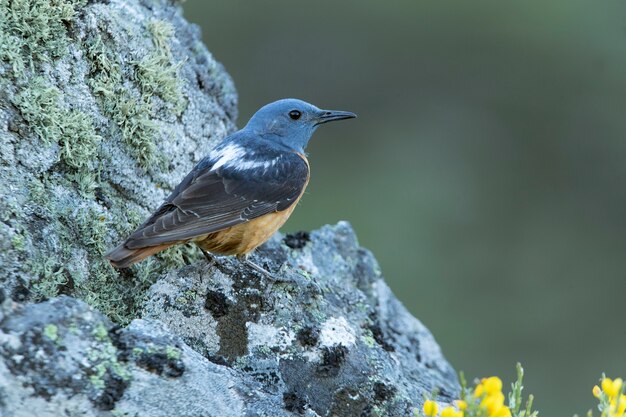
[(329, 338), (62, 356), (104, 107)]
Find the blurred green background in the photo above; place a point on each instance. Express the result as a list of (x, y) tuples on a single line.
[(486, 170)]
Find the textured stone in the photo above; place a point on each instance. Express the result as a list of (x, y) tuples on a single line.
[(103, 110), (329, 338)]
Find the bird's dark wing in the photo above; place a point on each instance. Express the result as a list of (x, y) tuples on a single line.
[(208, 200)]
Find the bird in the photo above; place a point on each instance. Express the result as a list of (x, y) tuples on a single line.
[(241, 193)]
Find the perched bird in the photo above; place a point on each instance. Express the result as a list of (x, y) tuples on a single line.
[(241, 193)]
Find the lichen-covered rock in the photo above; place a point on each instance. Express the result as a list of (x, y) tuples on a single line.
[(61, 357), (328, 339), (104, 107), (329, 336)]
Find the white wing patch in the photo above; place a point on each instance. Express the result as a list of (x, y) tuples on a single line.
[(234, 156)]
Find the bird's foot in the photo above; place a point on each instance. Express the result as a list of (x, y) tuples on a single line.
[(260, 270), (244, 259), (211, 259)]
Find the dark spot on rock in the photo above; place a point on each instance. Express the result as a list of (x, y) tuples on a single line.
[(308, 336), (20, 293), (217, 303), (102, 198), (115, 333), (248, 307), (332, 359), (443, 394), (294, 403), (383, 392), (265, 377), (200, 81), (114, 387), (418, 357), (219, 360), (13, 126), (379, 337), (126, 273), (68, 287), (350, 402), (3, 296), (297, 240), (160, 364), (186, 307)]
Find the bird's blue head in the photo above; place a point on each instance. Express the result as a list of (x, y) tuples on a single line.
[(292, 122)]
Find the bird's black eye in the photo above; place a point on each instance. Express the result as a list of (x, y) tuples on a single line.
[(295, 114)]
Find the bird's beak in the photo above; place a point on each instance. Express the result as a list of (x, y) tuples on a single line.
[(326, 116)]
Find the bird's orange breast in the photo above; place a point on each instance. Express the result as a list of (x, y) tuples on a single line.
[(245, 237)]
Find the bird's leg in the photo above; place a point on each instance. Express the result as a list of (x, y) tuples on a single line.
[(209, 258), (244, 259)]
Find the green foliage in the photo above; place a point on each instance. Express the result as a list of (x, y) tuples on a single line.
[(485, 399), (100, 332), (515, 396), (119, 297)]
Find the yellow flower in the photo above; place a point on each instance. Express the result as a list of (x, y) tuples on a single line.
[(430, 408), (462, 405), (492, 385), (607, 383), (448, 412), (479, 390), (620, 406), (501, 412), (493, 402), (596, 391), (612, 387)]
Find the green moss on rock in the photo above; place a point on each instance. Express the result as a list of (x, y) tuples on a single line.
[(32, 31), (41, 106), (94, 95)]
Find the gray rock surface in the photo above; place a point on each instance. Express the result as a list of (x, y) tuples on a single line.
[(104, 107), (328, 339), (329, 336)]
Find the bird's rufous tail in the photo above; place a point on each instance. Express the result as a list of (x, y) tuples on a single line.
[(122, 257)]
